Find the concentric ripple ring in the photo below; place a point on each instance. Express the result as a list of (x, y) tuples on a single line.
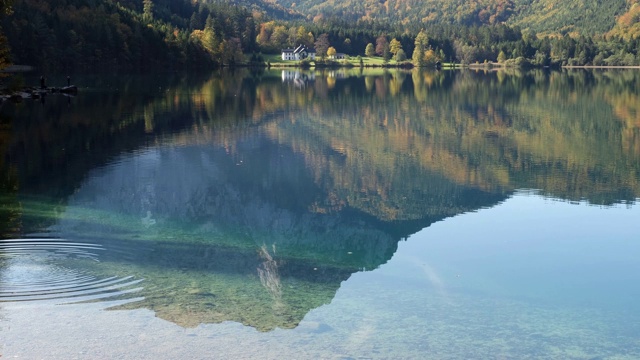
[(42, 269)]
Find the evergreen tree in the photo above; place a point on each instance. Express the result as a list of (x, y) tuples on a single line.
[(347, 45)]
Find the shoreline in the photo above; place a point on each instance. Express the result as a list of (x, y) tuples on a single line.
[(36, 93), (32, 92), (495, 66), (19, 69), (456, 66), (601, 67)]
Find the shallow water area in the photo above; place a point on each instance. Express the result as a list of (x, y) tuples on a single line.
[(331, 215), (447, 293)]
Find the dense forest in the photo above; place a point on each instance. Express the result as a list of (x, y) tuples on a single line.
[(76, 35), (541, 16)]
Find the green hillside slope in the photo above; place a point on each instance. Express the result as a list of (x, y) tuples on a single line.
[(567, 16), (541, 16)]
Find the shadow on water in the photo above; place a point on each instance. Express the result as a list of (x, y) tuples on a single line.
[(251, 197)]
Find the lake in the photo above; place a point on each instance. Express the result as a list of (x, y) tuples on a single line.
[(342, 214)]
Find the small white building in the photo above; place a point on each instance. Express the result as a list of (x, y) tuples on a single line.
[(299, 53), (338, 56)]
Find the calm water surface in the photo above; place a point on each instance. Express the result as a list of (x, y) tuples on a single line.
[(336, 215)]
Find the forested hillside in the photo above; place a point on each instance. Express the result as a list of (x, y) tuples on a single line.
[(131, 34), (77, 35), (577, 17), (628, 24), (541, 16)]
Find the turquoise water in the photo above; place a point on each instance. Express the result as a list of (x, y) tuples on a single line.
[(331, 215)]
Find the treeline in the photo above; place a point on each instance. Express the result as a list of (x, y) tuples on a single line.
[(173, 34), (504, 44), (461, 44)]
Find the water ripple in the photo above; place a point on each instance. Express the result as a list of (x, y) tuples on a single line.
[(45, 269)]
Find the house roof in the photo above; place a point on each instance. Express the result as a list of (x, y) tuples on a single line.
[(302, 48), (298, 50)]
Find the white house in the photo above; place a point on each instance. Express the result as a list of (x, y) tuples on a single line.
[(299, 53), (338, 56)]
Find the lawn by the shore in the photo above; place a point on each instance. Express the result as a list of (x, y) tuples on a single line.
[(275, 60)]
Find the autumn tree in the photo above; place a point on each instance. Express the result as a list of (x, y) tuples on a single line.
[(322, 45), (231, 51), (430, 57), (209, 38), (304, 37), (300, 36), (395, 46), (502, 57), (421, 46), (309, 39), (279, 37), (264, 34), (381, 43), (466, 54), (370, 51), (331, 51), (293, 38)]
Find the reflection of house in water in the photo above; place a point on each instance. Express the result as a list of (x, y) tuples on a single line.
[(337, 74), (298, 78)]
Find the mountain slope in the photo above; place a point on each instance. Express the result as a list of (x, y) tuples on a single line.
[(628, 24), (541, 16), (566, 16)]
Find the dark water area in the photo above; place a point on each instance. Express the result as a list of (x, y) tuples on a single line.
[(329, 214)]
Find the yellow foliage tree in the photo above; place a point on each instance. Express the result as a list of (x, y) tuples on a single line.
[(430, 57), (395, 46)]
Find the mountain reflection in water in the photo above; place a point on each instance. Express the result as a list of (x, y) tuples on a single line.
[(251, 197), (240, 238)]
